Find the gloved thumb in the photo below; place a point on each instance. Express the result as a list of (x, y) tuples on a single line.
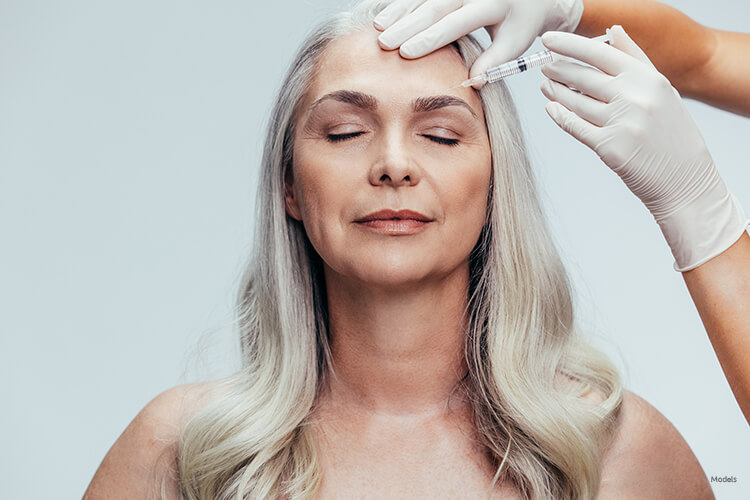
[(507, 45), (622, 41)]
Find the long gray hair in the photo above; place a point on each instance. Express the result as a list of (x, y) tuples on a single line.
[(255, 440)]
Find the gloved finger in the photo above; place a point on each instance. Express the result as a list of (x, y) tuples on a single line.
[(621, 40), (589, 109), (393, 12), (420, 19), (510, 41), (588, 80), (451, 27), (573, 124), (593, 52)]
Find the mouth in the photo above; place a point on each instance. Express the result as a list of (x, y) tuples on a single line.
[(395, 222), (395, 215)]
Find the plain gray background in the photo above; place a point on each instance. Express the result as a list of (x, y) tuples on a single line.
[(130, 137)]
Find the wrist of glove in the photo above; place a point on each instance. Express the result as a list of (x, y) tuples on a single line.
[(564, 15), (700, 229), (632, 117), (689, 200)]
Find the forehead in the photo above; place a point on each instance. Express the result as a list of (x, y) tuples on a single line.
[(355, 61)]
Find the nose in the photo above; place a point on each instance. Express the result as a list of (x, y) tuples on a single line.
[(395, 163)]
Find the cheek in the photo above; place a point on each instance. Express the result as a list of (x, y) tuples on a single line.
[(468, 188), (315, 179), (323, 186), (464, 197)]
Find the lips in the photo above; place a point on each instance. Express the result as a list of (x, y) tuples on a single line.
[(395, 215), (395, 222)]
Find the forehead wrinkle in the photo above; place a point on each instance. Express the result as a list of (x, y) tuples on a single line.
[(370, 103)]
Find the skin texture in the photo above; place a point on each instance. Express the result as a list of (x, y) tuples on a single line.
[(388, 428), (700, 62)]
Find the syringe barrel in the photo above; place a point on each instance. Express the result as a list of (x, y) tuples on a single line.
[(519, 65)]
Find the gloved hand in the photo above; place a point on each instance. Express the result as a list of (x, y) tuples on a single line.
[(419, 27), (633, 118)]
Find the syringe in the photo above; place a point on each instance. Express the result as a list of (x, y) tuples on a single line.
[(520, 65)]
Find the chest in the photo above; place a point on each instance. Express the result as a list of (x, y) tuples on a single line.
[(373, 462)]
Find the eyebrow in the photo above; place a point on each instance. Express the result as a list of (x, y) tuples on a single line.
[(370, 103)]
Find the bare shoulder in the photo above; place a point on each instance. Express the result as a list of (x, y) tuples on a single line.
[(142, 462), (648, 458)]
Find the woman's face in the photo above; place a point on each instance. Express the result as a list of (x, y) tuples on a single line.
[(379, 132)]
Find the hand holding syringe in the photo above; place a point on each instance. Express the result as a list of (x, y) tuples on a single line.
[(520, 65)]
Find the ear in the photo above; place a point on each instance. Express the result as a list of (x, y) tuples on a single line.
[(290, 196)]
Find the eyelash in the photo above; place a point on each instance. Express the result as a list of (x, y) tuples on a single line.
[(439, 140)]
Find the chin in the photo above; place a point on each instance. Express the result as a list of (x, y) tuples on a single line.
[(400, 273), (394, 266), (393, 278)]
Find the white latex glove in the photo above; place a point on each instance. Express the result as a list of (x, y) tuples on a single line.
[(419, 27), (633, 118)]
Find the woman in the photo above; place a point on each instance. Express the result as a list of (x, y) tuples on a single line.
[(430, 356)]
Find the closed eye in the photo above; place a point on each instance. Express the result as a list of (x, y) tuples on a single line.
[(442, 140), (433, 138), (342, 137)]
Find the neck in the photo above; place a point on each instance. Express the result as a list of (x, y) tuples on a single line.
[(397, 353)]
